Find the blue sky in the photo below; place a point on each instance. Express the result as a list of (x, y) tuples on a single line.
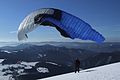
[(102, 15)]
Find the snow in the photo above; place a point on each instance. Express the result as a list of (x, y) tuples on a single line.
[(1, 73), (1, 60), (42, 70), (44, 55), (51, 63), (4, 77), (21, 50), (41, 55), (29, 63), (26, 65), (15, 51), (107, 72), (5, 51)]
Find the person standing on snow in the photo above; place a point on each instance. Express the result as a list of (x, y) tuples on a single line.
[(77, 65)]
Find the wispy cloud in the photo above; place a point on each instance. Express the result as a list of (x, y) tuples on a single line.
[(13, 32)]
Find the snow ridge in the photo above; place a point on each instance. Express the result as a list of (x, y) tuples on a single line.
[(107, 72)]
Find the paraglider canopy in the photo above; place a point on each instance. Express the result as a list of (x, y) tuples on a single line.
[(68, 25)]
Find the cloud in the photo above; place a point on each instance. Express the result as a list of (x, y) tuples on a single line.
[(13, 32)]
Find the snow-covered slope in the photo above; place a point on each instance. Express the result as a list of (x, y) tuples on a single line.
[(107, 72), (22, 66)]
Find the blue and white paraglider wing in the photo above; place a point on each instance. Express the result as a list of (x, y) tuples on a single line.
[(68, 25)]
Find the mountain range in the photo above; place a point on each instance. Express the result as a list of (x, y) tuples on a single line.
[(47, 55)]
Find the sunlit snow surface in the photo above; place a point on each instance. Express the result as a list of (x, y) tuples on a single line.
[(107, 72)]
